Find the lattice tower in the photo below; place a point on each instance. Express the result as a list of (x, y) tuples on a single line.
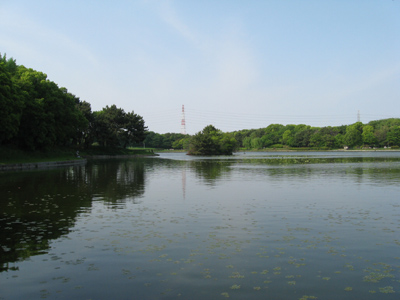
[(183, 121)]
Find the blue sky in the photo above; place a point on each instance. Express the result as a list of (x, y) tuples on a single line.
[(234, 64)]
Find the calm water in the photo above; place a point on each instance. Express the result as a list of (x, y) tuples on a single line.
[(250, 226)]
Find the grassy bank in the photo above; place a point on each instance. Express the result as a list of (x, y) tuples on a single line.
[(10, 155), (169, 151), (115, 151), (283, 149)]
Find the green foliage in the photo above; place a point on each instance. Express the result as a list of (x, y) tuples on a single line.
[(339, 140), (211, 141), (324, 137), (85, 136), (381, 130), (287, 137), (181, 144), (272, 135), (247, 142), (302, 136), (368, 136), (166, 140), (393, 136), (50, 116), (36, 114), (10, 64), (10, 105), (256, 143), (353, 136), (277, 146), (375, 133), (113, 127)]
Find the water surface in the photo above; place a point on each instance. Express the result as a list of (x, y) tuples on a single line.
[(319, 225)]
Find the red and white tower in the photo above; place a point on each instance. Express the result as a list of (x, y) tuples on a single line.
[(183, 122)]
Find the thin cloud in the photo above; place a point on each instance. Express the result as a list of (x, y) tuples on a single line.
[(33, 36), (170, 17)]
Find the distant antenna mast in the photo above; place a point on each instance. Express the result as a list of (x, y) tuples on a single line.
[(183, 122), (358, 117)]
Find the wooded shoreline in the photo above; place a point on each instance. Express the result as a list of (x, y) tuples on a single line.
[(64, 163), (41, 165)]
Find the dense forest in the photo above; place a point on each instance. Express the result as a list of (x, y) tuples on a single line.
[(37, 114), (381, 133), (375, 134)]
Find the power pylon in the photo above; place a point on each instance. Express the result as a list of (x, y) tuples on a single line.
[(183, 121)]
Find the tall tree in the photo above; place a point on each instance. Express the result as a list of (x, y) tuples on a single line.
[(85, 136), (393, 136), (11, 105), (353, 136), (50, 116), (114, 127), (134, 129), (368, 136)]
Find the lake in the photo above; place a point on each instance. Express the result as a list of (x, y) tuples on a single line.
[(280, 225)]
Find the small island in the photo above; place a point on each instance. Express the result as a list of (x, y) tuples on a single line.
[(211, 141)]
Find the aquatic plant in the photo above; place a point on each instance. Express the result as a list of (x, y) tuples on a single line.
[(326, 278), (376, 277), (236, 275), (305, 297), (225, 294), (386, 290), (235, 287)]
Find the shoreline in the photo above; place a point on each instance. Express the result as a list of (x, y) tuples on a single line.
[(63, 163), (41, 165), (312, 150), (85, 158), (105, 156)]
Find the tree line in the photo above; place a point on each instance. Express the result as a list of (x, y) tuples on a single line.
[(166, 140), (37, 114), (380, 133)]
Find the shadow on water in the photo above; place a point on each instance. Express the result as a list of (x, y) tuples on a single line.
[(211, 171), (40, 206), (114, 182)]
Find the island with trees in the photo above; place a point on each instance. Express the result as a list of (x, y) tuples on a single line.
[(36, 115)]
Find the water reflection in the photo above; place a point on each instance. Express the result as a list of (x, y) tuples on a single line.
[(116, 182), (247, 228), (384, 169), (39, 206), (210, 171)]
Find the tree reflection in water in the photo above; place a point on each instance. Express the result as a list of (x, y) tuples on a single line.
[(40, 206)]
